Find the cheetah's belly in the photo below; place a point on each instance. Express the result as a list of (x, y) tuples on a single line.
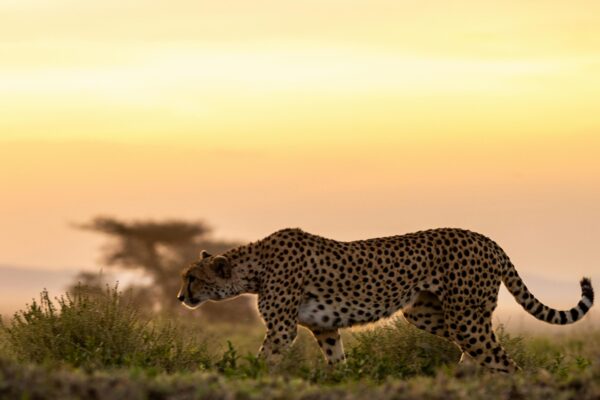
[(313, 313), (316, 313)]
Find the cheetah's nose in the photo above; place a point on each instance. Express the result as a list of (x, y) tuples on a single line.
[(181, 297)]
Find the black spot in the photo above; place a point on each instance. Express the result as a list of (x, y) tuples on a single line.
[(563, 317), (550, 315), (574, 314), (583, 307)]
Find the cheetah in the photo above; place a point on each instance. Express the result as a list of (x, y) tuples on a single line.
[(445, 281)]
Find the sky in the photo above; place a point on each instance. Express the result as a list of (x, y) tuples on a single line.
[(349, 119)]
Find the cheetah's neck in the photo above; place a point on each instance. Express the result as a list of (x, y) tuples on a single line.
[(247, 265)]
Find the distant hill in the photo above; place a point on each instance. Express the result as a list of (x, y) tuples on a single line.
[(18, 285)]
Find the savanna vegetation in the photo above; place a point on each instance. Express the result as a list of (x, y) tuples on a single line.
[(90, 344), (99, 341)]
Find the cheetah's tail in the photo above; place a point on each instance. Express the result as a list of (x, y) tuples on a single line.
[(517, 288)]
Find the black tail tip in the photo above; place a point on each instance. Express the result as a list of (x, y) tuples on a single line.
[(586, 289)]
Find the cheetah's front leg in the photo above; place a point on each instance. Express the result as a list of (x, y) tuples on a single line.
[(281, 318), (331, 345), (277, 340)]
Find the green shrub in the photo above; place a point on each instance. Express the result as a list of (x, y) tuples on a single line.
[(398, 349), (93, 330), (5, 348)]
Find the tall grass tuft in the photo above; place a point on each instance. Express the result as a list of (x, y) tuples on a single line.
[(398, 349), (92, 329)]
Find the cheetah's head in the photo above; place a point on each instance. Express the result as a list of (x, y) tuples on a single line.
[(209, 278)]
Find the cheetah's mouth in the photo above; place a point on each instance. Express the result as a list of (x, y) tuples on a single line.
[(192, 303)]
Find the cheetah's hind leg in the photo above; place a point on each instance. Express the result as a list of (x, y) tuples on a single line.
[(478, 342), (426, 313)]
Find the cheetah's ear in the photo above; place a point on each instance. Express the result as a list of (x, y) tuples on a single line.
[(222, 267), (204, 254)]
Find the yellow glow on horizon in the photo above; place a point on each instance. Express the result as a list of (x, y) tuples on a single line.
[(229, 71), (226, 95)]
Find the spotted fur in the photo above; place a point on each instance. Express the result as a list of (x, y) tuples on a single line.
[(445, 281)]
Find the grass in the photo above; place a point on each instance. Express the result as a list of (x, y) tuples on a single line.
[(99, 330), (28, 381), (96, 345)]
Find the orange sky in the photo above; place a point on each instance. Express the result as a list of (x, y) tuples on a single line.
[(350, 119)]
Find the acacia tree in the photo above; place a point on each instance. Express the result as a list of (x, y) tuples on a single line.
[(161, 250)]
